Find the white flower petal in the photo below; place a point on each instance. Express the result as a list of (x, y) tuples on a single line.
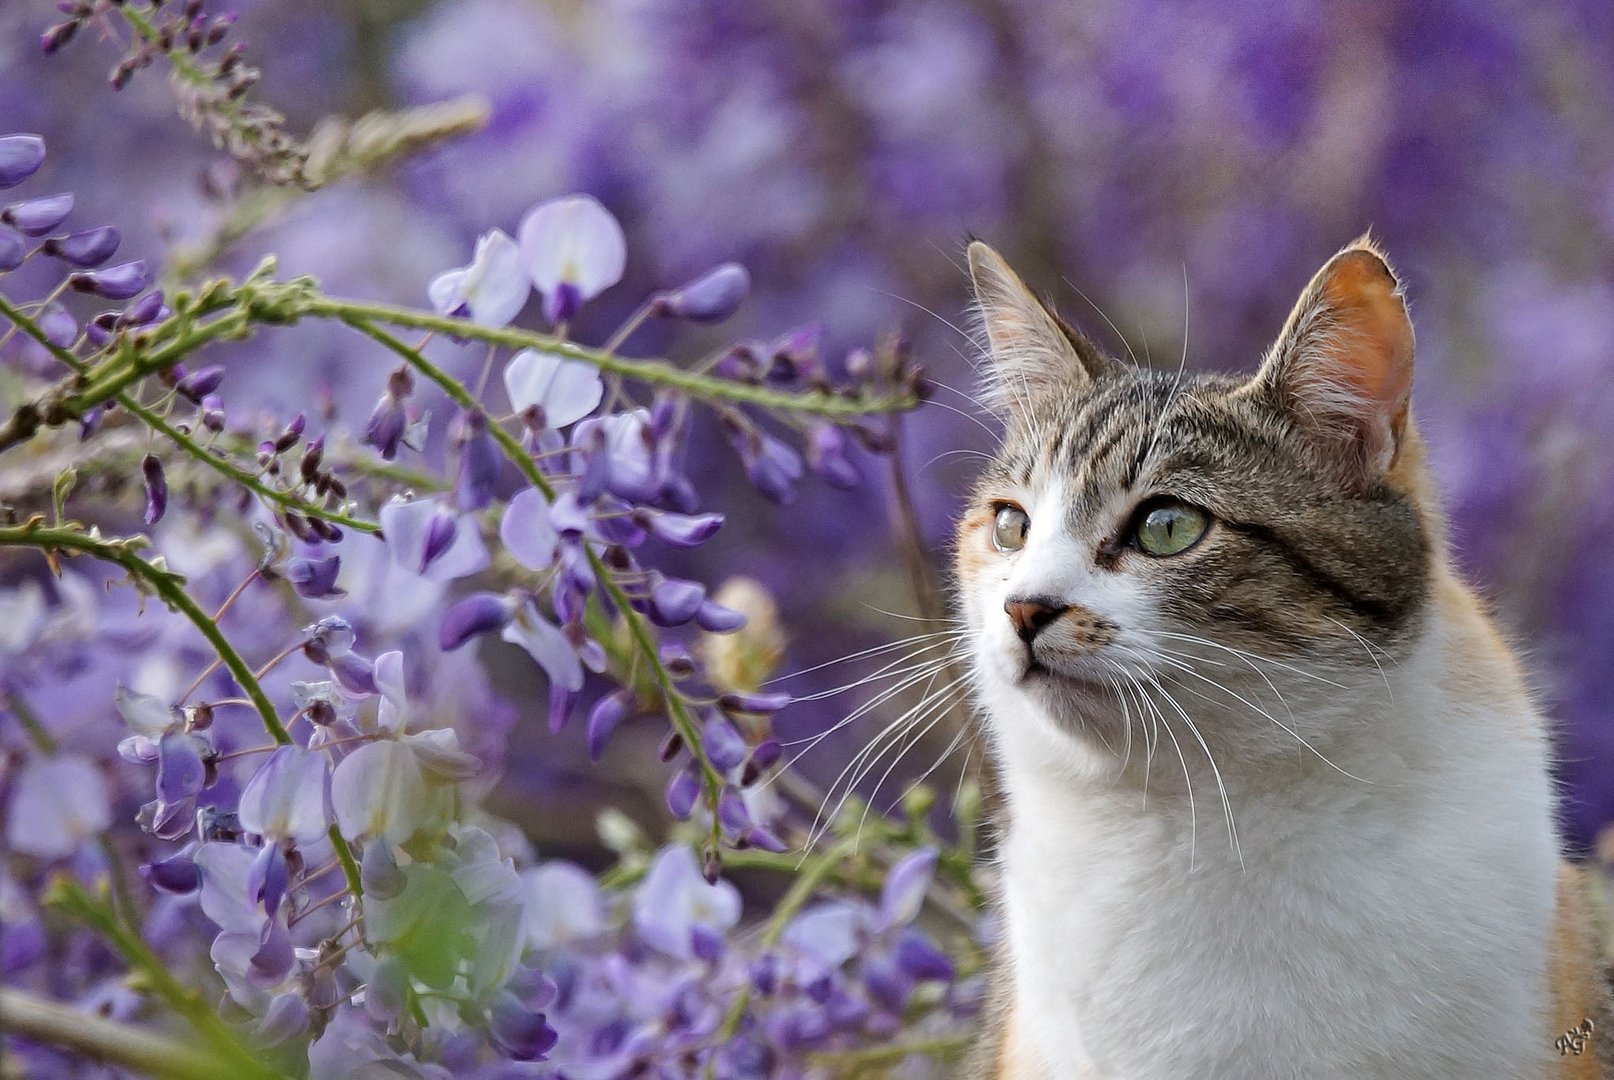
[(548, 645), (575, 241), (289, 796), (526, 531), (380, 791), (56, 804), (567, 390), (145, 713)]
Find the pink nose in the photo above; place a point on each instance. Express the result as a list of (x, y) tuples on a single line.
[(1031, 613)]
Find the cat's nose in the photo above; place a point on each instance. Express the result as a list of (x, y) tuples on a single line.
[(1031, 613)]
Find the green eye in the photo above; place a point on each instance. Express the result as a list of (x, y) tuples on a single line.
[(1009, 529), (1170, 529)]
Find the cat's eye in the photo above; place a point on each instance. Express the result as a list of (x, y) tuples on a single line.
[(1169, 528), (1009, 528)]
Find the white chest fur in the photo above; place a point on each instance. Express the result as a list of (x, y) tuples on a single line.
[(1396, 928)]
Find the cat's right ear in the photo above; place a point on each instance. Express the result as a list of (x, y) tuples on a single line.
[(1034, 353)]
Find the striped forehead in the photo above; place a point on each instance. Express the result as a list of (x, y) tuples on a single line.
[(1113, 437)]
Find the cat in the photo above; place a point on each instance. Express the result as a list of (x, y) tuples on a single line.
[(1276, 799)]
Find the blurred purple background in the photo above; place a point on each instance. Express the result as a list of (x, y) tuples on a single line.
[(845, 150)]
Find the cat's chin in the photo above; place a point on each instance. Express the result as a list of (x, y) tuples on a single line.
[(1037, 677)]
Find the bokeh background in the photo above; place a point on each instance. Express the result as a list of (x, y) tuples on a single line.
[(1169, 173)]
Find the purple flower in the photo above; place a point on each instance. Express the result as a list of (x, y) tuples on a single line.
[(725, 747), (921, 960), (772, 467), (476, 614), (674, 898), (176, 874), (679, 530), (37, 216), (202, 382), (388, 425), (91, 247), (479, 463), (289, 797), (712, 297), (151, 468), (565, 390), (180, 771), (284, 1019), (20, 157), (717, 618), (573, 250), (56, 804), (492, 290), (378, 871), (314, 579), (13, 249), (826, 456), (675, 601), (604, 718), (683, 791), (904, 891), (564, 905), (430, 540), (519, 1032), (526, 531), (548, 645), (118, 282)]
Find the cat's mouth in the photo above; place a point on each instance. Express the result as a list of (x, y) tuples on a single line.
[(1037, 673)]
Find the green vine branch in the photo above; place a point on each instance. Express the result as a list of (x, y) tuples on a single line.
[(258, 301), (67, 895), (164, 583)]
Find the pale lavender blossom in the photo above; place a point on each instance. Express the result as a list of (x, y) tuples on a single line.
[(490, 291), (573, 250)]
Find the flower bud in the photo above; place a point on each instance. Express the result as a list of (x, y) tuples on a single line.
[(147, 309), (13, 250), (479, 613), (314, 579), (151, 467), (712, 297), (20, 158), (826, 456), (724, 746), (118, 282), (683, 790), (603, 720), (198, 384), (38, 216), (91, 247), (674, 601)]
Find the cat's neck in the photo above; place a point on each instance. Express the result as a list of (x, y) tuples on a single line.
[(1131, 918)]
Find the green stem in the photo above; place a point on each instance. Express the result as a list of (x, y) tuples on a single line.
[(655, 372), (42, 739), (166, 584), (67, 895), (344, 855), (241, 476), (97, 1039), (946, 1047)]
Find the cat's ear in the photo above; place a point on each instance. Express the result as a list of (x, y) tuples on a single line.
[(1342, 367), (1033, 351)]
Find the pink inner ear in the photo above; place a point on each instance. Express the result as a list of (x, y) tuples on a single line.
[(1375, 359)]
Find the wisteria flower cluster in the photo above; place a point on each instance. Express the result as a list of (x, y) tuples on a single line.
[(248, 663)]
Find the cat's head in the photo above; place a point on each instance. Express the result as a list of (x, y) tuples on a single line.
[(1216, 550)]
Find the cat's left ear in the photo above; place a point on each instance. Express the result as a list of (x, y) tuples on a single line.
[(1342, 367)]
